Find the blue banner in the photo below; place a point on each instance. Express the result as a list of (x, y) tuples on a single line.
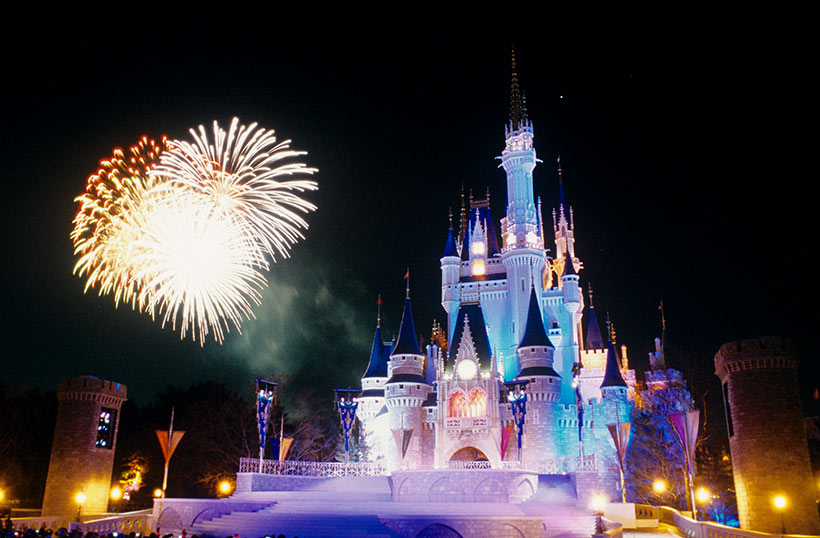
[(347, 414)]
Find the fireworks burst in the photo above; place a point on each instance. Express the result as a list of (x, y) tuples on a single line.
[(239, 172), (182, 231)]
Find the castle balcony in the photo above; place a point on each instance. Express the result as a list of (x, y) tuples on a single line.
[(454, 423)]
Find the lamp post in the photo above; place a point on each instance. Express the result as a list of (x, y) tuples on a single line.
[(80, 498), (116, 495), (265, 391), (598, 504), (517, 397), (346, 403), (703, 496), (780, 504)]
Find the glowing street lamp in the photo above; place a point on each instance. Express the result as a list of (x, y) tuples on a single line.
[(780, 503), (225, 487), (598, 503), (659, 486), (703, 495), (80, 498), (157, 493), (116, 495)]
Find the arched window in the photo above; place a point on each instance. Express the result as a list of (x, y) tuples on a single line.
[(457, 405), (477, 405)]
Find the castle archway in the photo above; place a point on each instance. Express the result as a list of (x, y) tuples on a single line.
[(469, 453)]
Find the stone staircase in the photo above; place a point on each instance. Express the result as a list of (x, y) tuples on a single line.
[(359, 506)]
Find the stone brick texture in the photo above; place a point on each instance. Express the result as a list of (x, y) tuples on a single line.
[(76, 464), (768, 446)]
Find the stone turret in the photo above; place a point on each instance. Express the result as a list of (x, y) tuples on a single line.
[(405, 393), (767, 435), (535, 353), (85, 437)]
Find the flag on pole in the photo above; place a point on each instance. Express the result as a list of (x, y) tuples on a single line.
[(168, 448), (620, 435), (284, 447), (686, 424), (506, 433)]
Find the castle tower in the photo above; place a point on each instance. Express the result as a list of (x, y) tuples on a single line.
[(405, 393), (767, 436), (523, 252), (82, 454), (535, 353), (450, 268), (371, 410)]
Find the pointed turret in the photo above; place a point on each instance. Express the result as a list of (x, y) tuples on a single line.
[(407, 344), (612, 374), (450, 249), (377, 367), (594, 338), (534, 334), (569, 267)]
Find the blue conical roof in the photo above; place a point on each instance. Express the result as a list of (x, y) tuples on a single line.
[(377, 367), (450, 245), (535, 335), (407, 343), (612, 375), (569, 267), (594, 338), (562, 201)]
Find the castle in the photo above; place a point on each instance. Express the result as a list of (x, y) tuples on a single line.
[(512, 361)]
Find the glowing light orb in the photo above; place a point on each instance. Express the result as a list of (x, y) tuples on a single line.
[(225, 487), (467, 369), (659, 486), (703, 495), (80, 497), (158, 493), (598, 503), (116, 493), (779, 502)]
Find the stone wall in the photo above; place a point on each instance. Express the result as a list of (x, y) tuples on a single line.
[(76, 464), (767, 436)]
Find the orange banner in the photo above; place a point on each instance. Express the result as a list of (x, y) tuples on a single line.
[(168, 448)]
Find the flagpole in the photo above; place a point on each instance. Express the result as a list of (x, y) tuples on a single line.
[(167, 460)]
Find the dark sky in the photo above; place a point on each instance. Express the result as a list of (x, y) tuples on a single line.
[(688, 140)]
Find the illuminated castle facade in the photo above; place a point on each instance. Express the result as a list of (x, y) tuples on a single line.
[(515, 325)]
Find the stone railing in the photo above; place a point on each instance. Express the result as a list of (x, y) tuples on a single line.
[(687, 526), (554, 465), (470, 465), (321, 468), (311, 468), (123, 523)]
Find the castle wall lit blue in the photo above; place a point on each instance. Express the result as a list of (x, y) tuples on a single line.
[(515, 326)]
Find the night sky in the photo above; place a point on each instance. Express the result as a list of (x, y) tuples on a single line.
[(688, 143)]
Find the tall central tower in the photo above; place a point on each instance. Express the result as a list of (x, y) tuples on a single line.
[(523, 252)]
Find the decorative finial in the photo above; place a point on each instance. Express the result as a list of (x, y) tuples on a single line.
[(488, 196), (450, 216), (407, 278), (379, 311), (590, 295)]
